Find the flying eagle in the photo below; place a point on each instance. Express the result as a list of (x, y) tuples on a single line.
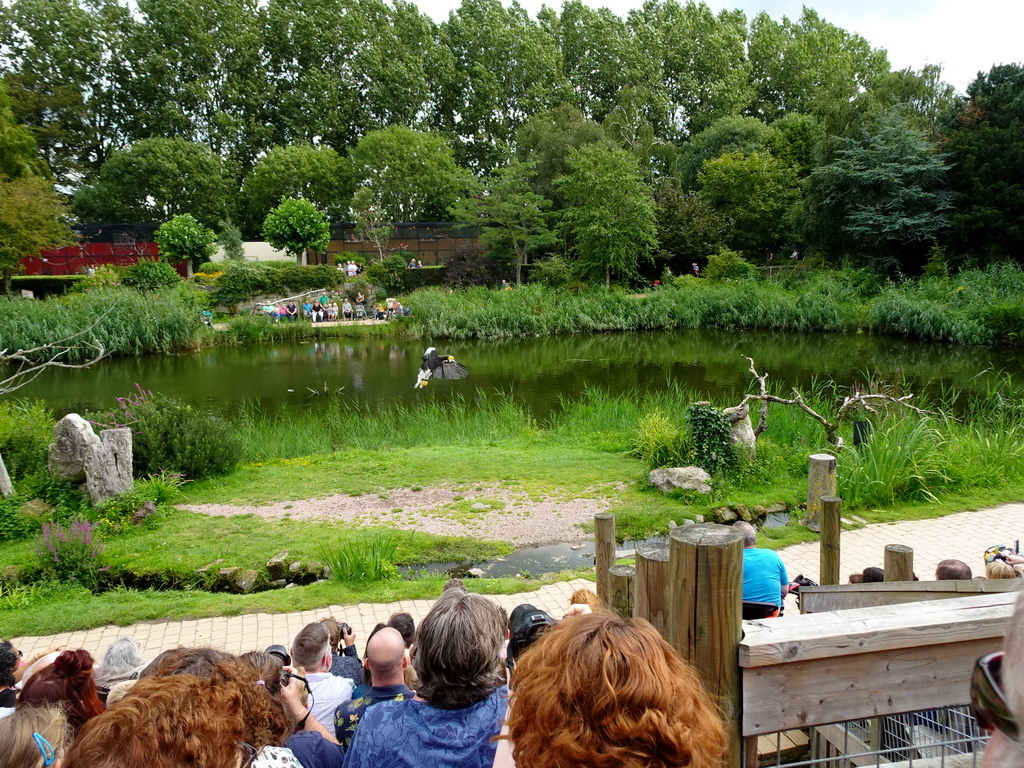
[(439, 366)]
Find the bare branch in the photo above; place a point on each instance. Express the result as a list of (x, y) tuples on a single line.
[(762, 421), (30, 363)]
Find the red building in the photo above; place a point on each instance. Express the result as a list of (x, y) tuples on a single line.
[(98, 244)]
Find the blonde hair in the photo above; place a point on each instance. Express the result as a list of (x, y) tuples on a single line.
[(999, 569), (17, 735), (587, 597)]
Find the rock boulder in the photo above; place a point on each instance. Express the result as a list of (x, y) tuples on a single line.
[(680, 478), (73, 443), (741, 431)]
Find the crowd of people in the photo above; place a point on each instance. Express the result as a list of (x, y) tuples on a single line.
[(592, 689)]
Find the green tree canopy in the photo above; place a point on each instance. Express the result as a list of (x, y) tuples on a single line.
[(185, 239), (755, 191), (689, 229), (19, 155), (153, 181), (609, 214), (317, 174), (295, 226), (986, 144), (413, 175), (32, 217), (885, 194), (512, 214)]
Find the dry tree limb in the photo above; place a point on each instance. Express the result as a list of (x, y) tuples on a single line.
[(30, 363)]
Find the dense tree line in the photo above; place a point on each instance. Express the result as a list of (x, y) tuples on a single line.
[(753, 134)]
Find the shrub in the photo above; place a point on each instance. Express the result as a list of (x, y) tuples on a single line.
[(26, 428), (170, 435), (712, 449), (146, 275), (389, 273), (555, 272), (658, 442), (472, 265), (70, 554), (243, 279), (729, 265)]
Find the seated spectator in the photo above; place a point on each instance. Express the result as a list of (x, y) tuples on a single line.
[(346, 309), (412, 263), (292, 312), (461, 701), (310, 748), (317, 311), (9, 658), (34, 737), (360, 299), (419, 264), (332, 311), (148, 728), (379, 313), (385, 661), (406, 627), (587, 597), (282, 313), (344, 658), (67, 683), (352, 269), (997, 696), (603, 692), (122, 661), (868, 576), (312, 651), (764, 574), (952, 569), (998, 569), (307, 309)]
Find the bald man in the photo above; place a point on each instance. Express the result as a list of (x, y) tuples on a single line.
[(386, 662), (1002, 704)]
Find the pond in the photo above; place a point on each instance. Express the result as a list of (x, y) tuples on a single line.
[(536, 371)]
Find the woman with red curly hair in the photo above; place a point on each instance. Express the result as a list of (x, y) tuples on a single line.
[(167, 722), (67, 683), (603, 692)]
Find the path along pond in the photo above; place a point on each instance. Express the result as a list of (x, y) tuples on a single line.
[(536, 372)]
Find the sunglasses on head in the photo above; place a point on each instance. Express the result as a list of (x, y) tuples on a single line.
[(988, 698)]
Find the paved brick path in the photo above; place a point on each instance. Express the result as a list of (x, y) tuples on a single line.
[(964, 536)]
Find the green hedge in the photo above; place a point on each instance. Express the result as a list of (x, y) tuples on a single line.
[(428, 277), (45, 285)]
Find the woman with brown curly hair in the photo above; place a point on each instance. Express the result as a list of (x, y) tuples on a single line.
[(603, 692), (167, 722), (67, 683)]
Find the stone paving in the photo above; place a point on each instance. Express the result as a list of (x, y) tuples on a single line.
[(964, 536)]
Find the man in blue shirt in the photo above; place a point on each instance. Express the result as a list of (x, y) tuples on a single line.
[(764, 574), (385, 658)]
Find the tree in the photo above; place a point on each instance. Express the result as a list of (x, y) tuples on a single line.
[(986, 145), (230, 239), (296, 226), (32, 218), (317, 174), (373, 226), (755, 191), (511, 213), (19, 155), (413, 175), (884, 193), (730, 134), (689, 229), (185, 239), (609, 212), (153, 181)]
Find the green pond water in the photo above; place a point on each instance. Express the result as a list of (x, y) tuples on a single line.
[(535, 371)]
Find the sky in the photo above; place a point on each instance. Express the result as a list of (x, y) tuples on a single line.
[(964, 37)]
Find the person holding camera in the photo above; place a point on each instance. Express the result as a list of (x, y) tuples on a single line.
[(312, 651)]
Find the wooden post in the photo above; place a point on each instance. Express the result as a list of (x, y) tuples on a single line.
[(821, 481), (828, 571), (604, 554), (899, 562), (651, 585), (620, 587), (705, 614)]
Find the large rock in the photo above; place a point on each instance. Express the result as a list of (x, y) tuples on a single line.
[(680, 478), (6, 488), (741, 431), (104, 462), (108, 468), (73, 444)]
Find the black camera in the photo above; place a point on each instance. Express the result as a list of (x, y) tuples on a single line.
[(524, 626), (345, 628), (280, 653)]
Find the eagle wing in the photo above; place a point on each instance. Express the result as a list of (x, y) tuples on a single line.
[(449, 369)]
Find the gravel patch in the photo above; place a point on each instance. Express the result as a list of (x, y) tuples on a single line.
[(502, 514)]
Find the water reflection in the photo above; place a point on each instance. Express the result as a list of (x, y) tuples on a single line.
[(537, 371)]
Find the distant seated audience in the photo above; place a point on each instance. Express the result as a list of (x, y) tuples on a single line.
[(34, 737), (952, 569), (603, 692), (868, 576)]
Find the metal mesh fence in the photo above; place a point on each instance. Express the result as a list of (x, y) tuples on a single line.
[(933, 738)]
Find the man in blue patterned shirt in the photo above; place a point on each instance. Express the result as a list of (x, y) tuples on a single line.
[(385, 659), (460, 701)]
